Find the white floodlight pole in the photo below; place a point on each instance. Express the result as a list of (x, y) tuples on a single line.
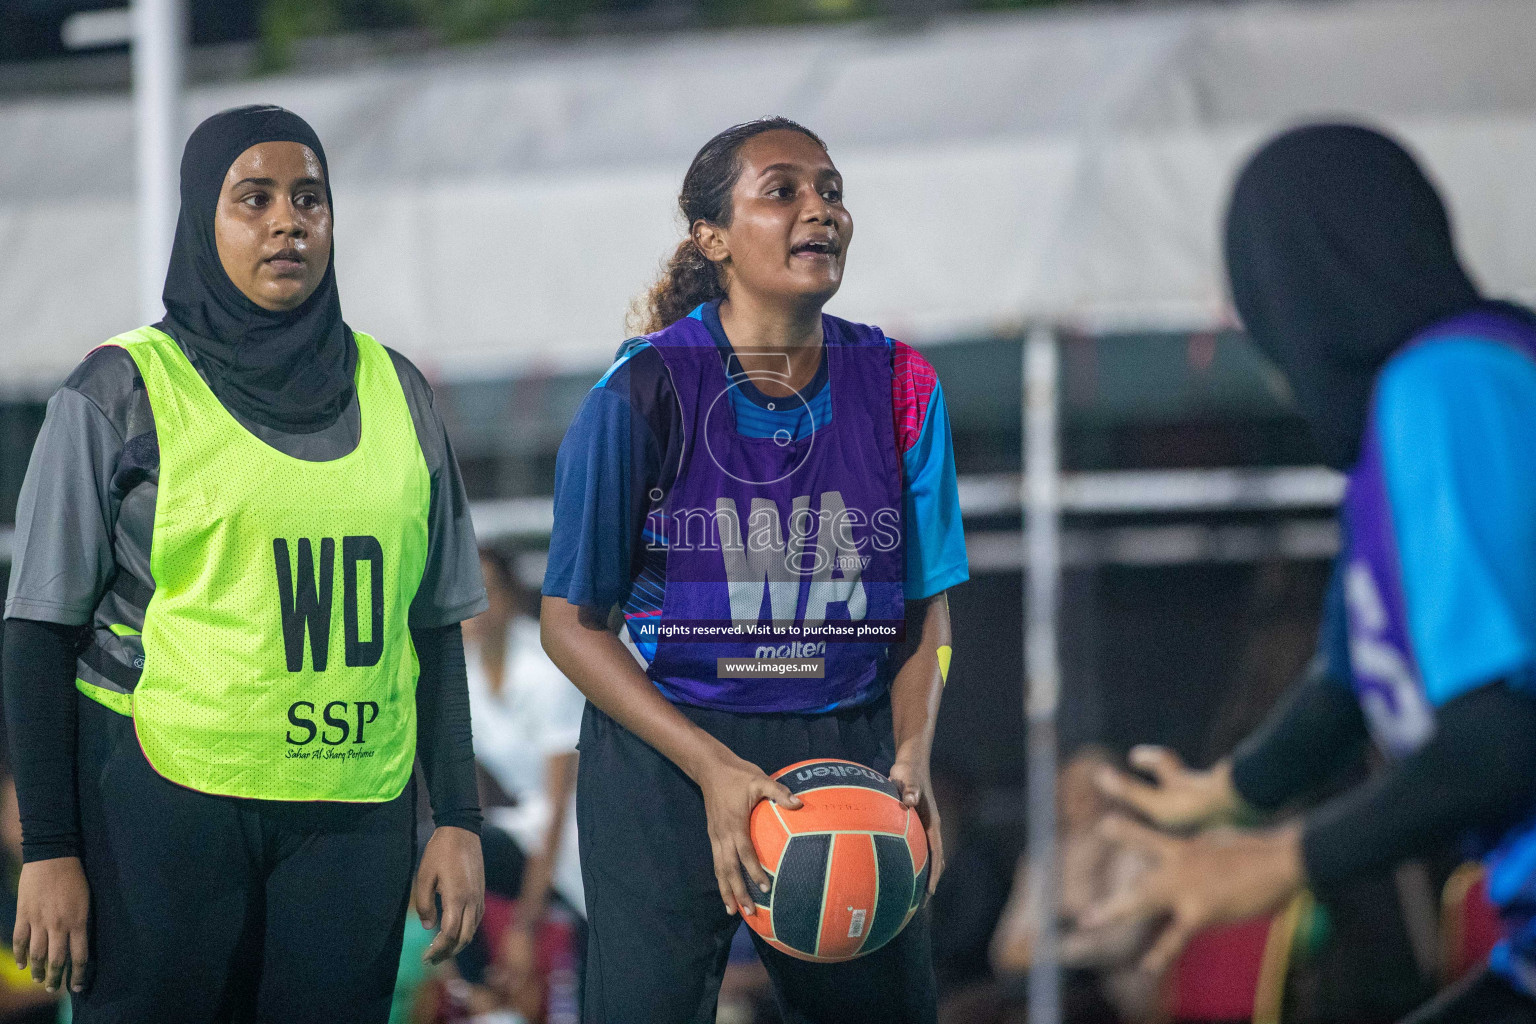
[(159, 29), (1042, 663)]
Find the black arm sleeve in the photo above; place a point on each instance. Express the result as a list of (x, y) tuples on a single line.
[(38, 670), (1309, 735), (1479, 771), (443, 738)]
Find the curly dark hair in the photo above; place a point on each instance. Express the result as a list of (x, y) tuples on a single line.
[(689, 278)]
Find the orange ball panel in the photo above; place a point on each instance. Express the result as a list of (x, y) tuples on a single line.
[(849, 906), (776, 944), (762, 923), (769, 835), (834, 808)]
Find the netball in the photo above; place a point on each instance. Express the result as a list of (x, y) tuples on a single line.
[(849, 868)]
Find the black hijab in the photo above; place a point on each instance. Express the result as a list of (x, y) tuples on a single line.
[(291, 371), (1339, 251)]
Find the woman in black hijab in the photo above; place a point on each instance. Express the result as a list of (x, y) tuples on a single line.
[(1339, 251), (287, 366), (236, 862)]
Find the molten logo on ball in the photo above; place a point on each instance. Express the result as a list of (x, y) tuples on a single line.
[(838, 769)]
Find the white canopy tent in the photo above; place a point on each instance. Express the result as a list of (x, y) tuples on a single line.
[(498, 208)]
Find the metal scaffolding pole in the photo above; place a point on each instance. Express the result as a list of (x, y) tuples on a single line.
[(159, 31), (1042, 665)]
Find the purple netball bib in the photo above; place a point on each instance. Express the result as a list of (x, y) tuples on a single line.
[(784, 555), (1383, 667)]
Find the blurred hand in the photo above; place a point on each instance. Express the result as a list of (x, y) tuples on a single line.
[(1012, 949), (917, 792), (1216, 877), (1181, 797), (453, 871), (53, 902), (732, 787)]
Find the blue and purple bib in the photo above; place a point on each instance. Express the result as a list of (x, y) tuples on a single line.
[(784, 554), (1438, 571)]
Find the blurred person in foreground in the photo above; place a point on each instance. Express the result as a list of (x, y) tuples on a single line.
[(527, 719), (1343, 269)]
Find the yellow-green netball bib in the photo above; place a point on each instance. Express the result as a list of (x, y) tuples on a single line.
[(278, 661)]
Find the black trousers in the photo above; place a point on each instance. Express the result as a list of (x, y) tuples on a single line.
[(658, 935), (1480, 998), (213, 909)]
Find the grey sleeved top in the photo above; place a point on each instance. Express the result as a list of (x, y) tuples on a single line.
[(87, 507)]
